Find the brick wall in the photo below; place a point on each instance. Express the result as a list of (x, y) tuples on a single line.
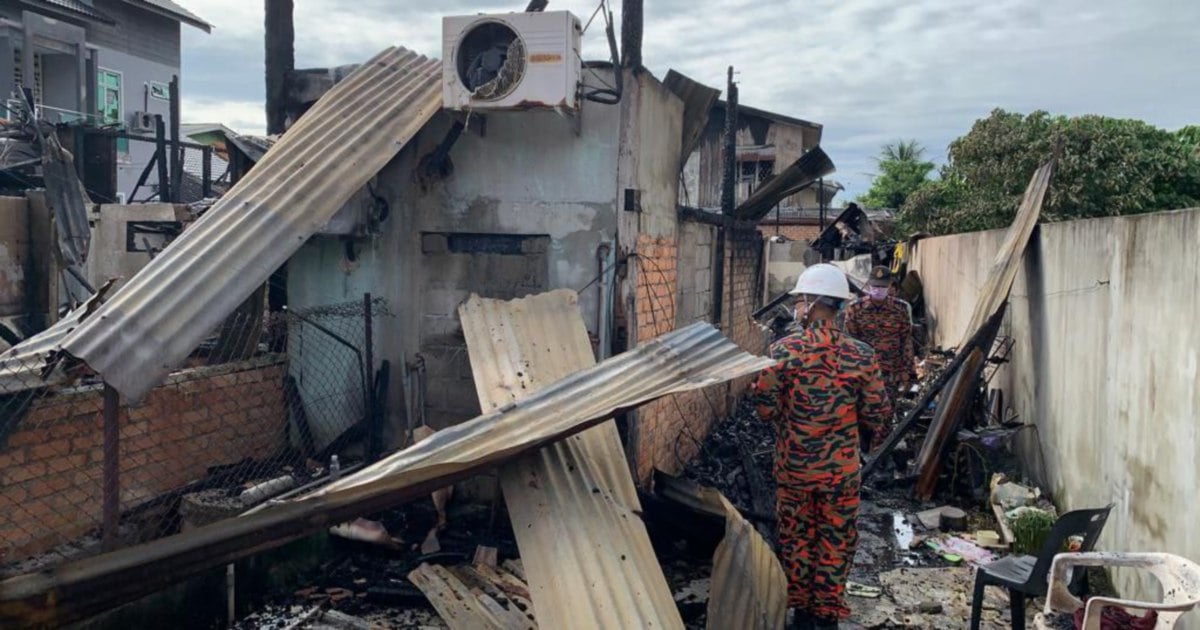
[(670, 430), (792, 232), (51, 464)]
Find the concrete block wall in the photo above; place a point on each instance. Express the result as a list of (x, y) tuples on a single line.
[(743, 278), (697, 261), (1104, 365), (51, 464)]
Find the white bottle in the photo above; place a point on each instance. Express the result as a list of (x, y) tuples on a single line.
[(335, 468)]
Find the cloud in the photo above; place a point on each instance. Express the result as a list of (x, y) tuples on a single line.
[(871, 71)]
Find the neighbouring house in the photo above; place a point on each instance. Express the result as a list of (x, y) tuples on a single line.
[(101, 63), (767, 143), (804, 223)]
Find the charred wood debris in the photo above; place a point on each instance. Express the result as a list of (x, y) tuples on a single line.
[(373, 582)]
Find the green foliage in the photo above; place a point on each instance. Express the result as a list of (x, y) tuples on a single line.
[(901, 171), (1107, 167), (1030, 530)]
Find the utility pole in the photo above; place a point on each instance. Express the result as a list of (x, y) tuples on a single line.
[(281, 60)]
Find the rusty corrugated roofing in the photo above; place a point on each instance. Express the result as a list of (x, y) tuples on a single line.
[(159, 316), (574, 508)]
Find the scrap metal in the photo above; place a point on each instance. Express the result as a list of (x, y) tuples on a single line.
[(697, 100), (749, 587), (155, 320), (573, 505), (690, 358), (992, 300), (930, 392)]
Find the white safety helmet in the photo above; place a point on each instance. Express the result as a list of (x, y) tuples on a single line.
[(823, 279)]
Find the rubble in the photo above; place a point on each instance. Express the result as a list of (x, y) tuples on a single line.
[(721, 463)]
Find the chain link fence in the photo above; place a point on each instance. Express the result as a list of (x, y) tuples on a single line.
[(260, 410)]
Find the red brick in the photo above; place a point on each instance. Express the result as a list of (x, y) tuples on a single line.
[(25, 438)]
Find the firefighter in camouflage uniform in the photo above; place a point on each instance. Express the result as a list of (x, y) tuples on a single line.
[(885, 323), (823, 388)]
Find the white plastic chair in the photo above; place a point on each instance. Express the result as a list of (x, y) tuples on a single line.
[(1179, 578)]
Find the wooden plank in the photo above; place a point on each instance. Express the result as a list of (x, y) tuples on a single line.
[(513, 612), (505, 581), (1004, 268), (515, 567), (486, 556), (1006, 535), (450, 598)]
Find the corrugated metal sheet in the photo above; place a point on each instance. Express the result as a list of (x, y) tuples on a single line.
[(748, 588), (690, 358), (573, 504), (151, 324), (30, 364), (697, 100)]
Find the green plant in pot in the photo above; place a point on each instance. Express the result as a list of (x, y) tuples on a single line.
[(1030, 530)]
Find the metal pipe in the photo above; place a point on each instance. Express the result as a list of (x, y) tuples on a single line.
[(301, 490), (374, 427), (230, 595), (112, 467), (206, 183), (602, 322), (176, 161), (160, 152)]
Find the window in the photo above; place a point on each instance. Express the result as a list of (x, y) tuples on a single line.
[(19, 74), (108, 100), (108, 95), (752, 173)]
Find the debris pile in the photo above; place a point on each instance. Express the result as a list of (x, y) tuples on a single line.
[(737, 458)]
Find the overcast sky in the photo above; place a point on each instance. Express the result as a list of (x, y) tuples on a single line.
[(870, 71)]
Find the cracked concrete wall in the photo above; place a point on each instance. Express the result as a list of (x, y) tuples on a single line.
[(1105, 364)]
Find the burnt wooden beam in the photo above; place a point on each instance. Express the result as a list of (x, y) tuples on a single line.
[(631, 34), (280, 60)]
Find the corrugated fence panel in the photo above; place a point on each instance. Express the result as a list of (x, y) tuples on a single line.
[(573, 504)]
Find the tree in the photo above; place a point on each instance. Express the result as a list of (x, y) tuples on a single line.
[(1107, 167), (902, 170)]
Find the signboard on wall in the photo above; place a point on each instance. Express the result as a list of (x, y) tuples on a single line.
[(160, 91)]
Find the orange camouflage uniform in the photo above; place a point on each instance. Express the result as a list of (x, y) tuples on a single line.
[(823, 387), (886, 326)]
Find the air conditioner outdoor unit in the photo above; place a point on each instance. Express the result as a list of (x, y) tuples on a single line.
[(142, 122), (511, 61)]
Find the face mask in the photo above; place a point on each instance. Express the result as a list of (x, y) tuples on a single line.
[(877, 293)]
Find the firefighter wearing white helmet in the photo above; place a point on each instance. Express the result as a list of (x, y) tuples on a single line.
[(824, 388), (820, 284)]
